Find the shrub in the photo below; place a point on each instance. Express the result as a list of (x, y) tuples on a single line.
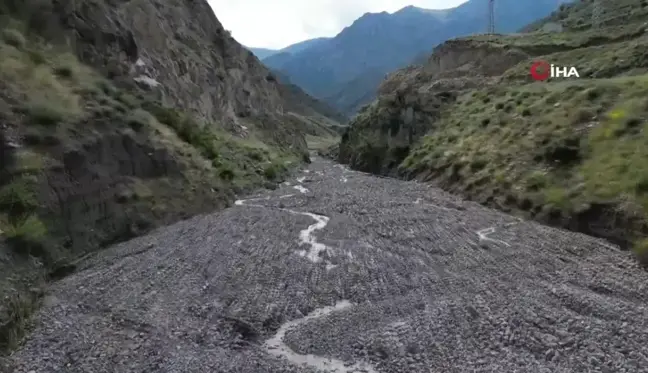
[(271, 172), (36, 56), (15, 318), (139, 119), (640, 249), (27, 237), (129, 100), (582, 116), (18, 198), (45, 114), (226, 174), (14, 38), (64, 71)]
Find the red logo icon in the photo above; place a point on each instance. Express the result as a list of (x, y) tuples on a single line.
[(540, 70)]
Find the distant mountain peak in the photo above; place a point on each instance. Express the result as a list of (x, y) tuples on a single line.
[(347, 69), (415, 9), (409, 8), (372, 15)]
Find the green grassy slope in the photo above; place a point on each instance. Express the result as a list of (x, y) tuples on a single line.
[(571, 153)]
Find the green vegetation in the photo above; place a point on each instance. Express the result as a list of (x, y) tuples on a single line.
[(321, 142), (178, 166), (578, 15), (16, 318), (243, 162), (581, 147), (570, 153)]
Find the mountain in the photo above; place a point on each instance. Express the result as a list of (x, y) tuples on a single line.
[(303, 45), (327, 121), (378, 43), (265, 53), (119, 117), (568, 152), (277, 60), (262, 53)]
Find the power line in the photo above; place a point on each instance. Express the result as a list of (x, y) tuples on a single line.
[(491, 16), (597, 13)]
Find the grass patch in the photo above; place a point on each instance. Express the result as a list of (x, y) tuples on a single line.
[(15, 317), (320, 142), (640, 250), (274, 171), (27, 236), (18, 198), (45, 113), (592, 140), (139, 119), (46, 78), (14, 38), (241, 161)]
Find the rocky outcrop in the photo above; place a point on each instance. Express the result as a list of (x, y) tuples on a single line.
[(178, 55), (180, 48), (455, 65), (156, 116), (410, 100)]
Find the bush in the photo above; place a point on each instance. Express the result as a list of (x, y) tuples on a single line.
[(14, 38), (36, 56), (45, 114), (15, 318), (27, 237), (640, 249), (271, 172), (187, 129), (226, 174), (18, 198), (129, 100), (64, 72), (139, 119)]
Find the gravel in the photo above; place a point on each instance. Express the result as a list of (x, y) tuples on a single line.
[(429, 283)]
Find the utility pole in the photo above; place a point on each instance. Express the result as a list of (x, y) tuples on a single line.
[(597, 13), (491, 17)]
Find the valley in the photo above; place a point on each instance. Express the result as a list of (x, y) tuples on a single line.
[(170, 202)]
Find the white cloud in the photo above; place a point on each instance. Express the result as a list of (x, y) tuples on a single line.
[(278, 23)]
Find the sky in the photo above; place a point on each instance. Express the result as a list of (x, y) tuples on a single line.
[(275, 24)]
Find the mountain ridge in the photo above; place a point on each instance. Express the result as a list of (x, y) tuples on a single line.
[(325, 69)]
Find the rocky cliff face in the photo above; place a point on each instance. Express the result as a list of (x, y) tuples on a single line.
[(457, 64), (117, 117), (410, 101), (181, 49)]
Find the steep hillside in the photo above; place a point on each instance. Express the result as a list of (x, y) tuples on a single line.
[(262, 53), (279, 57), (118, 117), (304, 45), (568, 152), (322, 118), (345, 70)]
